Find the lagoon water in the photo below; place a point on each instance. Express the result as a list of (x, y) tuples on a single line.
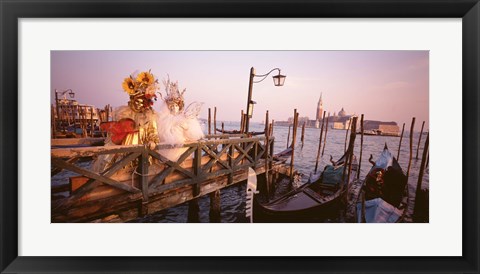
[(233, 197)]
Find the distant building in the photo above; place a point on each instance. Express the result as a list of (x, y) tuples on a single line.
[(342, 121), (381, 128), (338, 125)]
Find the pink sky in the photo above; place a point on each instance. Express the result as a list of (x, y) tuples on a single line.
[(383, 85)]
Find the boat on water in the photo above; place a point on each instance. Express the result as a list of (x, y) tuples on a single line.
[(283, 155), (384, 190), (377, 132), (318, 199)]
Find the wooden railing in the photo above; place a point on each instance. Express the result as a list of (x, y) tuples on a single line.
[(139, 173)]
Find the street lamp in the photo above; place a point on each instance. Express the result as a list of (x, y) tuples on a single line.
[(278, 81), (62, 93)]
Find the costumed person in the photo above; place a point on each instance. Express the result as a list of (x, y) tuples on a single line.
[(177, 124), (135, 123)]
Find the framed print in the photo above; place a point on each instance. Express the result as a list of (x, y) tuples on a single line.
[(176, 143)]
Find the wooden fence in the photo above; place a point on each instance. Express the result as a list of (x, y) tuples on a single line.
[(140, 181)]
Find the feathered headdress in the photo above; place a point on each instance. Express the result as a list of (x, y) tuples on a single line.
[(173, 95)]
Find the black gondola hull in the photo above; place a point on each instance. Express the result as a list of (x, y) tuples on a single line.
[(318, 213), (312, 202)]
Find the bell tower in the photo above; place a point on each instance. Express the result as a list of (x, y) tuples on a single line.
[(318, 117)]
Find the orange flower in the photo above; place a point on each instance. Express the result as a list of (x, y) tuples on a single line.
[(145, 78), (129, 86)]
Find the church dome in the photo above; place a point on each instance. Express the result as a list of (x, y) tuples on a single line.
[(342, 113)]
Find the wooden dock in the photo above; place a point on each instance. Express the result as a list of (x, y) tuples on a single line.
[(141, 181)]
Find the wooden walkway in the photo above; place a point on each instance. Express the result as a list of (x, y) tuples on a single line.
[(141, 181)]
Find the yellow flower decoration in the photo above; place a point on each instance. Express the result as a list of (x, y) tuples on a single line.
[(145, 78), (129, 86)]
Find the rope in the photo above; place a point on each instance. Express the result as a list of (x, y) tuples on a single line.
[(140, 174)]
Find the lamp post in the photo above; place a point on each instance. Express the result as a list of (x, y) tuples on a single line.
[(278, 80), (70, 92)]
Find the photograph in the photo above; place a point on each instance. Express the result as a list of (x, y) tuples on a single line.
[(240, 136)]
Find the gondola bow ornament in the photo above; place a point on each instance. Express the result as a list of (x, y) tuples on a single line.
[(251, 190)]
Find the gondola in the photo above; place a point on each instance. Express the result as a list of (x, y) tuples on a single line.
[(283, 155), (384, 190), (313, 201)]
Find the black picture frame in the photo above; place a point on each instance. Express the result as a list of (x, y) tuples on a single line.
[(11, 11)]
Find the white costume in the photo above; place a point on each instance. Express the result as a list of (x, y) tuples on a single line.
[(175, 124)]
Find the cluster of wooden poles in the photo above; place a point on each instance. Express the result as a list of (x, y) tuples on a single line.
[(215, 129), (213, 124), (77, 115), (423, 164), (214, 213), (352, 127), (215, 196)]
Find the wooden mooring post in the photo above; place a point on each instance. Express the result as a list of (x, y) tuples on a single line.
[(193, 207), (346, 135), (107, 110), (302, 139), (420, 179), (351, 144), (412, 126), (215, 214), (361, 148), (267, 164), (419, 140), (209, 121), (84, 121), (428, 158), (245, 123), (400, 143), (242, 121), (215, 120), (325, 138), (288, 136), (347, 170), (193, 211), (319, 143), (92, 128), (270, 156), (294, 137), (271, 128)]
